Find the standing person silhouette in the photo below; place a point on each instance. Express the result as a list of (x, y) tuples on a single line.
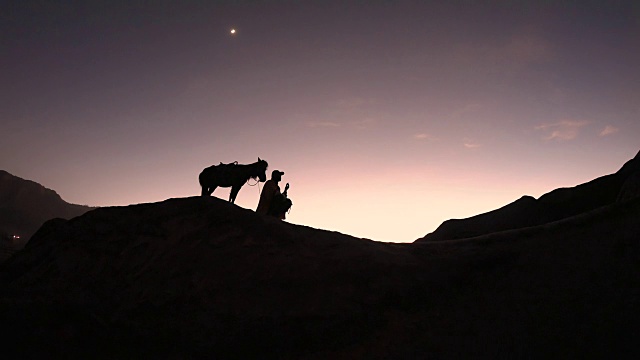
[(272, 201)]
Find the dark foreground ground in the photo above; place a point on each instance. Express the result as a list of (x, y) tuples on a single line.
[(201, 278)]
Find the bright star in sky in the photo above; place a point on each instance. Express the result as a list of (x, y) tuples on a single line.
[(233, 31)]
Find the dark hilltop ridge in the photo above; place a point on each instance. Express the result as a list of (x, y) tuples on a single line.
[(24, 206), (202, 278), (553, 206)]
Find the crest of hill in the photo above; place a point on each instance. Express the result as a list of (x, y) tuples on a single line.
[(556, 205), (25, 205), (203, 278), (215, 268)]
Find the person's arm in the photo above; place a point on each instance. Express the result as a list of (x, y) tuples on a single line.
[(285, 190)]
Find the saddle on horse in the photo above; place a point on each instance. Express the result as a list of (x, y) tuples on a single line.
[(221, 165), (225, 168)]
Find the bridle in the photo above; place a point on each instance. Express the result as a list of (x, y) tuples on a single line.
[(257, 183)]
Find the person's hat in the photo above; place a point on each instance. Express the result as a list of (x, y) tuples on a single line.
[(276, 172)]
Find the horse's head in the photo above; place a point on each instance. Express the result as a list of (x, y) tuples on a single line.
[(262, 170)]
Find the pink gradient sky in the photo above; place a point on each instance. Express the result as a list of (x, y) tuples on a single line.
[(388, 117)]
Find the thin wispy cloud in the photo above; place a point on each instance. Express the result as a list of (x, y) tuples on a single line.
[(423, 136), (363, 123), (322, 124), (355, 102), (358, 124), (469, 108), (608, 130), (471, 145), (562, 131), (349, 113)]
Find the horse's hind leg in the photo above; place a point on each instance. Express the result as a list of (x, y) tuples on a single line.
[(207, 191), (233, 194)]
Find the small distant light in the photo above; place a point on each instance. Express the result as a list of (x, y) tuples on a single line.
[(233, 31)]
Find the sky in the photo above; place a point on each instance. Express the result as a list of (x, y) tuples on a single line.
[(387, 117)]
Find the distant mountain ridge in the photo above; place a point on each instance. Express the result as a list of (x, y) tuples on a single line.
[(553, 206), (25, 205)]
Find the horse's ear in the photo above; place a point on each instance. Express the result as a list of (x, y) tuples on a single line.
[(259, 159)]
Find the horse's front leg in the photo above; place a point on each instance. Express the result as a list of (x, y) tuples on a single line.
[(234, 192), (211, 189)]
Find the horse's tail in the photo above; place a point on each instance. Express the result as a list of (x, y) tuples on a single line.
[(206, 174), (201, 179)]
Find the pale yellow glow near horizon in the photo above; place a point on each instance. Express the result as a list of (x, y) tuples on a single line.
[(390, 202), (384, 209)]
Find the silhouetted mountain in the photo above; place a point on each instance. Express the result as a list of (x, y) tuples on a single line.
[(202, 278), (555, 205), (25, 205)]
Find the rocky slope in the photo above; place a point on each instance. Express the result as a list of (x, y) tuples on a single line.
[(555, 205), (200, 278), (24, 206)]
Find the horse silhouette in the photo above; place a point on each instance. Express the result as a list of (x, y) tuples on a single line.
[(232, 175)]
